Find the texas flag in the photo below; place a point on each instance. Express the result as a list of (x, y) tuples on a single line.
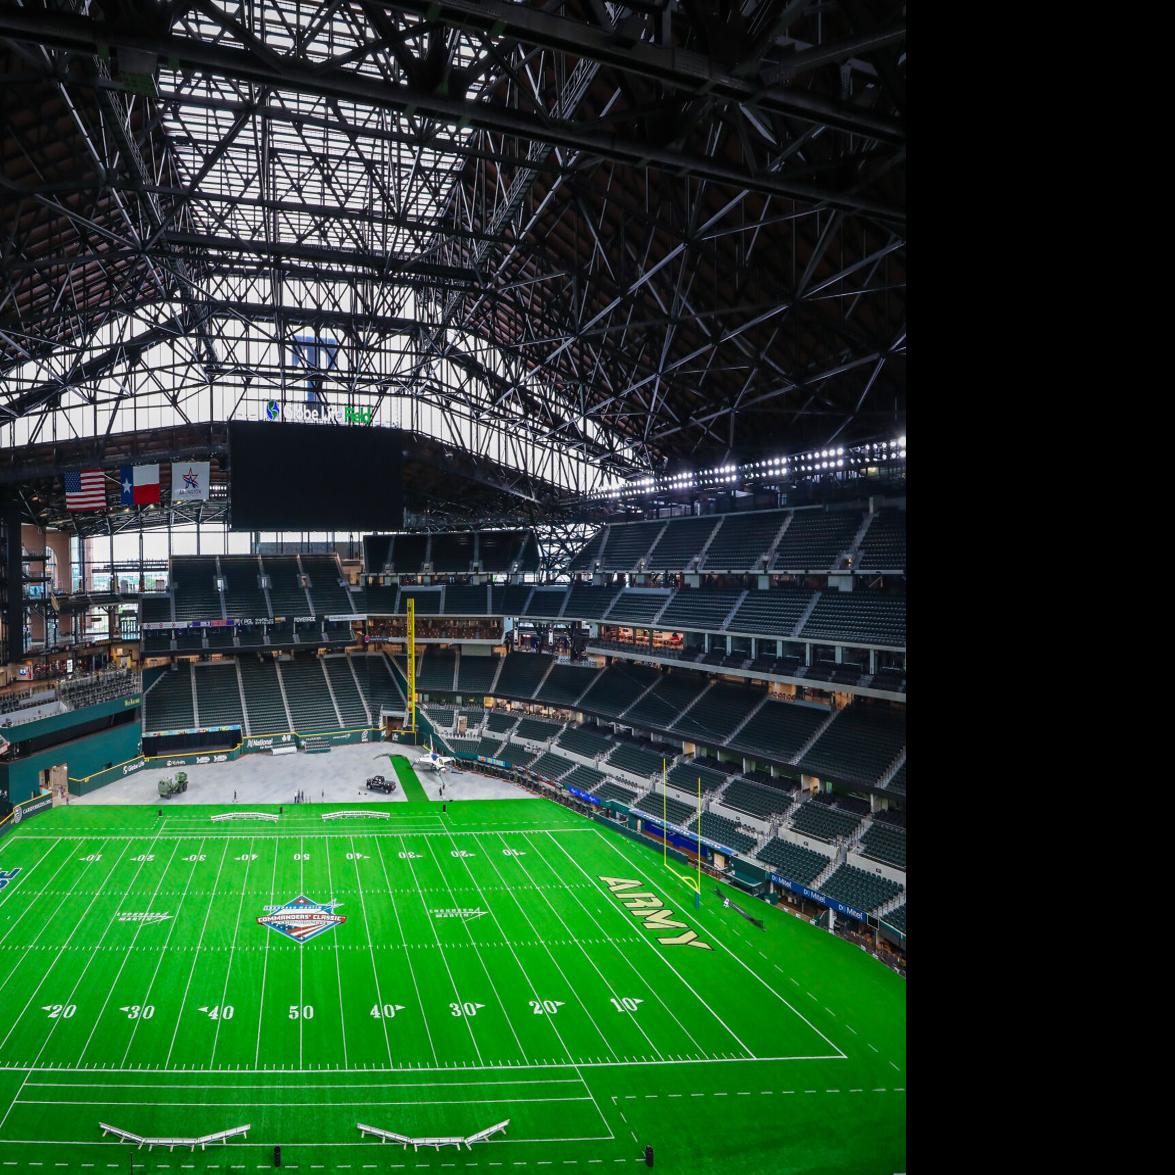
[(140, 485)]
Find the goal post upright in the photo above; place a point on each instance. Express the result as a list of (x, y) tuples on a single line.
[(664, 817), (698, 843), (410, 632)]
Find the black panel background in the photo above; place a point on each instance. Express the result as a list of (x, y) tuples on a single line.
[(315, 477)]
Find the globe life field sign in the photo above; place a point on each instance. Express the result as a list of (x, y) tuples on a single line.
[(318, 413), (322, 476)]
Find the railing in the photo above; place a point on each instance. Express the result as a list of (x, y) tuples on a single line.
[(355, 816), (244, 816)]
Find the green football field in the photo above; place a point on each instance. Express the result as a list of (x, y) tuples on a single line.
[(501, 961)]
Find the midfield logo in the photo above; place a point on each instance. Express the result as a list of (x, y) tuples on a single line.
[(302, 919)]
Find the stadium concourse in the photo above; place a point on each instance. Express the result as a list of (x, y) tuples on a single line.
[(453, 567)]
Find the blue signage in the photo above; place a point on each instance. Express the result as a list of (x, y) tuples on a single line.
[(831, 903)]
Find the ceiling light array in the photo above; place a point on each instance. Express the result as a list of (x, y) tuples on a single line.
[(799, 465)]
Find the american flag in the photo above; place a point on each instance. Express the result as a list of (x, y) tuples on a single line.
[(85, 490)]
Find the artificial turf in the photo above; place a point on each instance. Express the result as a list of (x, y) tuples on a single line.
[(413, 789), (503, 960)]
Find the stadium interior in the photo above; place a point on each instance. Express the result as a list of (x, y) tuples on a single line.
[(519, 383)]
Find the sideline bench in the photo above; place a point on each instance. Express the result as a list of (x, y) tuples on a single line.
[(435, 1142), (172, 1143)]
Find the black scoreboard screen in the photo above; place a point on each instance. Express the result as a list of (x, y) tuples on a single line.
[(315, 477)]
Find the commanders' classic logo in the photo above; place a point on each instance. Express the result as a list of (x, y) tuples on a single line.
[(302, 919)]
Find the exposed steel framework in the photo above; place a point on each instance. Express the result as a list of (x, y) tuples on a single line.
[(580, 239)]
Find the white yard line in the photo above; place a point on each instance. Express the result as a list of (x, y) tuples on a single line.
[(441, 952), (265, 963), (15, 1099), (232, 951), (473, 942), (407, 953), (7, 892), (179, 1018), (140, 1070), (573, 988), (29, 905), (371, 952), (710, 931), (626, 918), (46, 973), (159, 961), (603, 978), (330, 897), (126, 957)]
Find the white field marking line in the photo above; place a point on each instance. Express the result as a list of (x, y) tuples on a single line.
[(501, 1101), (522, 970), (25, 909), (710, 930), (265, 961), (609, 1047), (232, 952), (607, 985), (485, 830), (89, 960), (371, 951), (159, 960), (126, 956), (330, 884), (329, 1085), (179, 1018), (13, 1102), (656, 951), (45, 975), (441, 952), (476, 950), (24, 872)]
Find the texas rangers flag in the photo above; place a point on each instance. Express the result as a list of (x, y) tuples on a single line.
[(189, 481), (140, 485)]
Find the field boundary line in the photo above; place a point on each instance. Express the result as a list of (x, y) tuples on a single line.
[(140, 1071), (740, 961)]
